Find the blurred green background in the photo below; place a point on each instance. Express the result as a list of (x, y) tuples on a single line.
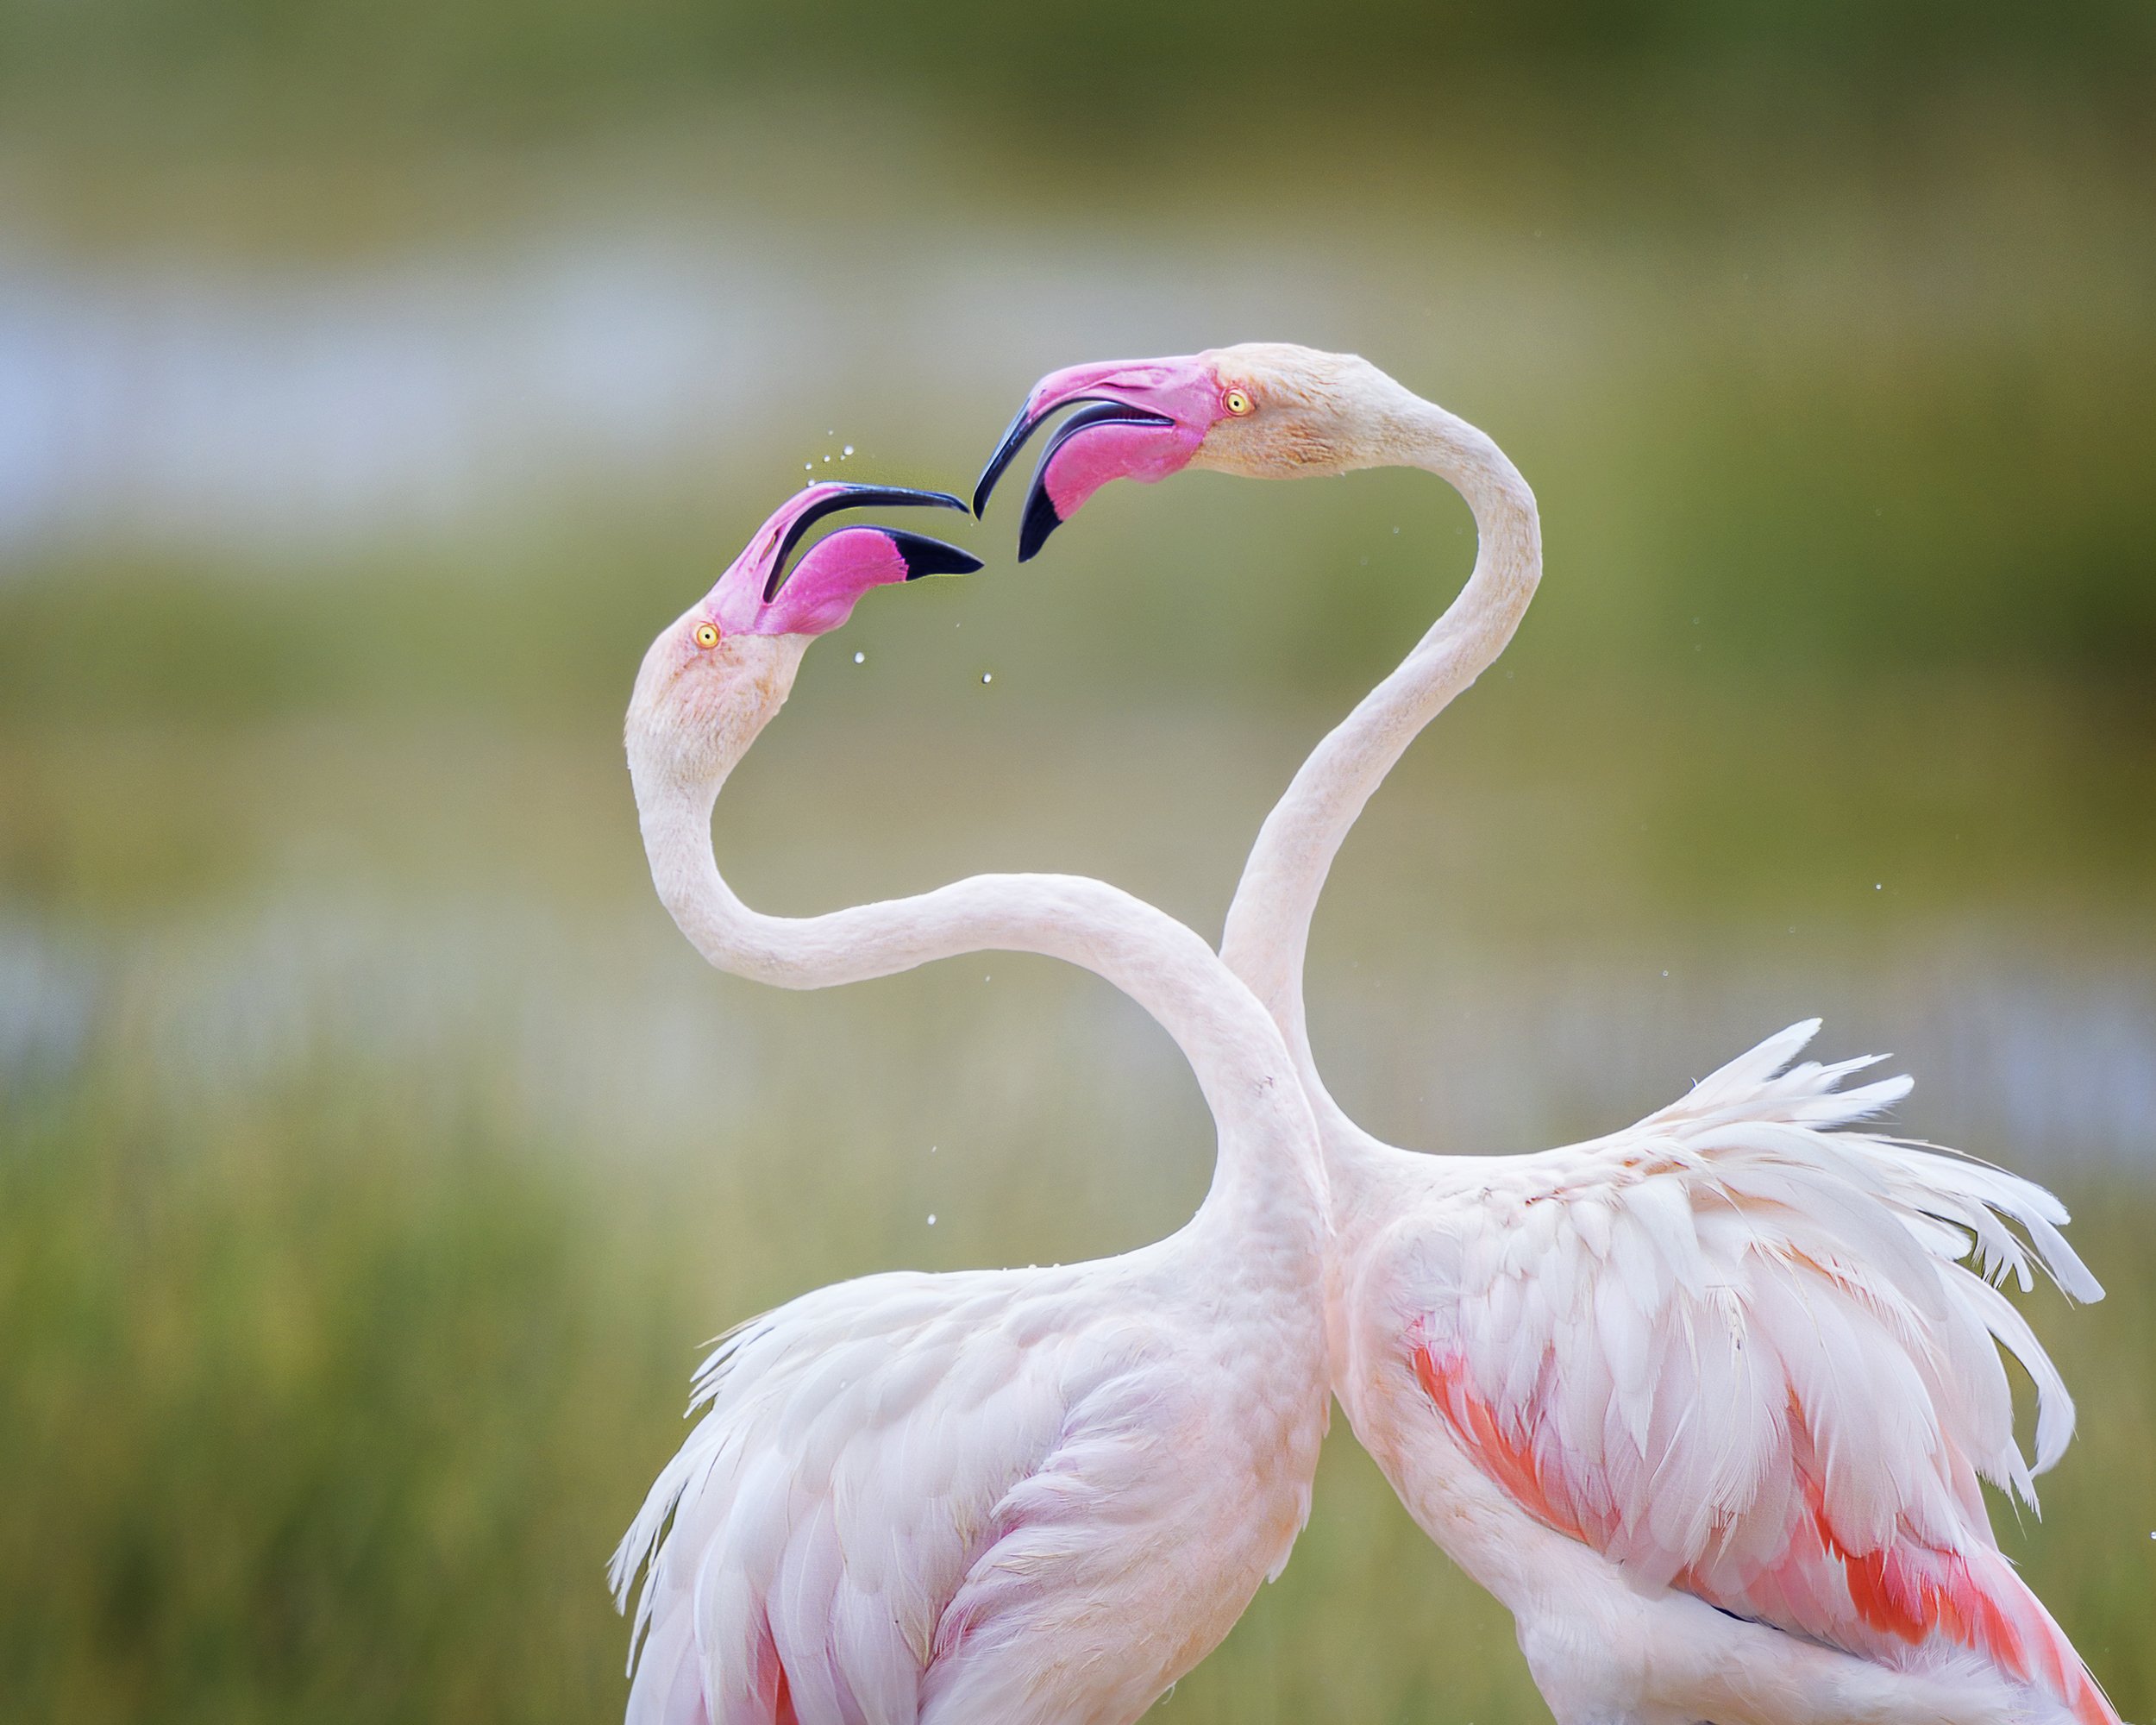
[(374, 381)]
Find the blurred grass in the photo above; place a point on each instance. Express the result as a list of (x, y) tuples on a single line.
[(247, 67), (316, 1398), (326, 1403)]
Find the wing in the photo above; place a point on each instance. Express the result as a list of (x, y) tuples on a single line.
[(861, 1452), (1743, 1353)]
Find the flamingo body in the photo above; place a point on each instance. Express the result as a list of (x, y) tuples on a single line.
[(1036, 1496), (1729, 1355), (1706, 1403), (983, 1495)]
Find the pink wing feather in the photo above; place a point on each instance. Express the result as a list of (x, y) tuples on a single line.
[(1737, 1352)]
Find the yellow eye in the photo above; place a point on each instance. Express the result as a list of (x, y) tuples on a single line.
[(1237, 403), (706, 635)]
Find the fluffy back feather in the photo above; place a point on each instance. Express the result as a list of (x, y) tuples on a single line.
[(1747, 1349)]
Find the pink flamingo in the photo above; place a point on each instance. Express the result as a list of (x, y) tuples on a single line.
[(1704, 1404), (1035, 1496)]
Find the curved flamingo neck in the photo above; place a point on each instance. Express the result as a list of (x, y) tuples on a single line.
[(1268, 929), (1269, 1180)]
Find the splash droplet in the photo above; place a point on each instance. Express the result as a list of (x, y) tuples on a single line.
[(861, 658), (808, 466), (827, 461), (987, 676), (847, 450), (931, 1219)]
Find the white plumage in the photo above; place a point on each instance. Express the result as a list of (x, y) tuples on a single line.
[(1705, 1403), (936, 1497), (1742, 1353), (1034, 1496)]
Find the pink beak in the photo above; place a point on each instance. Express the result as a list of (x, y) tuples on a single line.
[(1144, 420), (758, 596)]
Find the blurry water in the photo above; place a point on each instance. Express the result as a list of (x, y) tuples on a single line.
[(2040, 1060), (604, 1036), (48, 1003), (222, 400), (234, 399)]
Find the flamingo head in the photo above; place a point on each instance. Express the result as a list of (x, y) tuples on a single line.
[(1265, 410), (716, 674)]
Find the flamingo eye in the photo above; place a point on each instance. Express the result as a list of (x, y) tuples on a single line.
[(706, 635), (1238, 403)]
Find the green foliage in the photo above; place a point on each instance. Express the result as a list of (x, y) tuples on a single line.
[(484, 63), (305, 1405), (328, 1403)]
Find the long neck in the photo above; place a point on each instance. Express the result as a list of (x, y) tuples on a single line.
[(1269, 1179), (1267, 926)]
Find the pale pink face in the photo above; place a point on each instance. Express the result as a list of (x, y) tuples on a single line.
[(1142, 419), (758, 595)]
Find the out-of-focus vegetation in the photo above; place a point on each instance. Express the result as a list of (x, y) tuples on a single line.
[(327, 1405), (372, 1153), (484, 63)]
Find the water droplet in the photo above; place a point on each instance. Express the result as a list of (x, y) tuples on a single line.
[(931, 1150), (1665, 973), (808, 466), (987, 676), (847, 450), (931, 1219), (827, 461), (1878, 886), (1395, 530), (861, 658)]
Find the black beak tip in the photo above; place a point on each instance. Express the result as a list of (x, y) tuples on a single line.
[(1041, 520), (925, 556)]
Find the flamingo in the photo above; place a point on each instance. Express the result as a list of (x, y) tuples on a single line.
[(1034, 1495), (1705, 1402)]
